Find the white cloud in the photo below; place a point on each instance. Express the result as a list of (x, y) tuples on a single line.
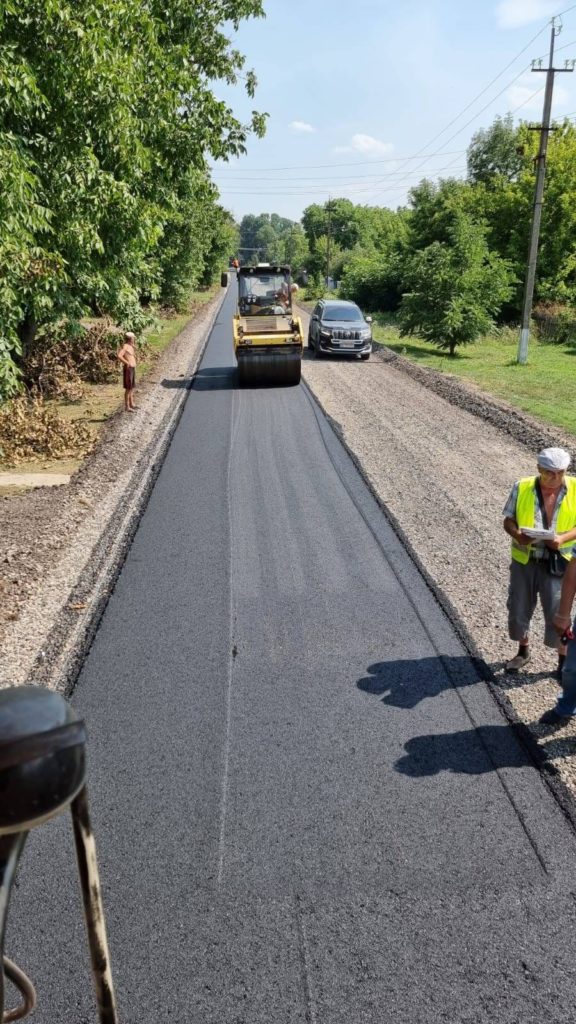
[(366, 145), (301, 126), (514, 13)]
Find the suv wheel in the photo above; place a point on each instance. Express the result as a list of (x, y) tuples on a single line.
[(365, 356)]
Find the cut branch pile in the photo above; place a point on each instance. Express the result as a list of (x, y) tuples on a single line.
[(29, 429), (61, 362)]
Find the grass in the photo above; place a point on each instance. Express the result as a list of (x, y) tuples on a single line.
[(545, 387)]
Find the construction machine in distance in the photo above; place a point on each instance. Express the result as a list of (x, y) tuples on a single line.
[(268, 338)]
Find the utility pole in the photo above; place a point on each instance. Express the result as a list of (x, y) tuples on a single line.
[(544, 128), (328, 241)]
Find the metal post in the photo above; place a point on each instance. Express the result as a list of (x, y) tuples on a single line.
[(538, 197), (93, 908), (11, 847)]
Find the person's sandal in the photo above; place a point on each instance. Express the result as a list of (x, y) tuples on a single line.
[(517, 663)]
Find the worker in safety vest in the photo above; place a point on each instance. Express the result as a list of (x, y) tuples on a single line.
[(540, 517)]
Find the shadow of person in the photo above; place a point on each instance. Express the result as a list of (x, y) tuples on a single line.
[(467, 752), (404, 683), (216, 378), (561, 746), (183, 383)]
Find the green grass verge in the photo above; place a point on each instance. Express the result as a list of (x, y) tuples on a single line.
[(167, 327), (545, 387)]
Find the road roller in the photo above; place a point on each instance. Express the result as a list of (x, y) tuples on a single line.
[(268, 337)]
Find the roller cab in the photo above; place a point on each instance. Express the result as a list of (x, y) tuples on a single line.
[(268, 336)]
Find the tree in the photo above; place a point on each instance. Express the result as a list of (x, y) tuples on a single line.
[(456, 288), (497, 151), (375, 280), (273, 239), (107, 118)]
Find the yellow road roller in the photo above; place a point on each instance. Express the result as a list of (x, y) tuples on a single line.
[(268, 337)]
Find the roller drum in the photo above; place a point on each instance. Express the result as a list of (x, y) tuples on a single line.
[(271, 367)]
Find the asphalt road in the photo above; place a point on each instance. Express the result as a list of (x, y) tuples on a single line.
[(307, 806)]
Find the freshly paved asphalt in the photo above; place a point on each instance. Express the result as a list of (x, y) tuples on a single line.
[(307, 807)]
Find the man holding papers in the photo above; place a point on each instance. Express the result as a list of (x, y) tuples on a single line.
[(540, 517)]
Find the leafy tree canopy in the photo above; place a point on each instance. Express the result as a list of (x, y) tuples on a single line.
[(496, 151), (456, 287), (107, 118)]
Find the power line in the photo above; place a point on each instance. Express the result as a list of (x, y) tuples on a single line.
[(415, 156), (485, 90), (567, 11), (355, 163), (402, 160), (477, 97), (485, 107), (293, 182), (361, 190)]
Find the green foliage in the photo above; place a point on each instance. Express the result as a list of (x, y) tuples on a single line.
[(496, 152), (456, 288), (374, 280), (272, 239), (556, 325), (356, 240), (107, 118)]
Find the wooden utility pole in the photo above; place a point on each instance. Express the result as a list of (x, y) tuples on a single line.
[(328, 241), (544, 128)]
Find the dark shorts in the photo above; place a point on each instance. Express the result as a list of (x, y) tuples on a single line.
[(129, 377), (528, 583)]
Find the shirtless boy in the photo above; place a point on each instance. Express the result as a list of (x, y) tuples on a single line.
[(127, 356)]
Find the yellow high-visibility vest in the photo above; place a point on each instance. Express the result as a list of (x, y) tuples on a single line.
[(525, 515)]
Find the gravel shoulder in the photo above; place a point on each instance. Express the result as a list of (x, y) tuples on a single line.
[(61, 548), (441, 457)]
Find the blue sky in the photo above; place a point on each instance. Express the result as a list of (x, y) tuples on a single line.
[(361, 94)]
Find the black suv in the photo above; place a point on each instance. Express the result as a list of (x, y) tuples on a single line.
[(340, 326)]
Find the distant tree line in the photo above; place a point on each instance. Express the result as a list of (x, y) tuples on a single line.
[(107, 121), (453, 261), (269, 238)]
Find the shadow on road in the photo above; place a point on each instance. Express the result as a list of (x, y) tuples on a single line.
[(216, 378), (467, 752), (184, 383), (403, 684)]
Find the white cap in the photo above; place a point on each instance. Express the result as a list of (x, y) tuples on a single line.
[(554, 458)]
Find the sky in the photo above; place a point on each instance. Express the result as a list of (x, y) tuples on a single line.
[(366, 98)]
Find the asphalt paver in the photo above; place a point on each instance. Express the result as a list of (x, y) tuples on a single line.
[(307, 805)]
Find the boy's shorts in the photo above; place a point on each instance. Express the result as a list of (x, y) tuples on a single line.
[(129, 377)]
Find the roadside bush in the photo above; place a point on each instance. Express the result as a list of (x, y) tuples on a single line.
[(315, 289), (64, 357), (556, 324), (373, 280)]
